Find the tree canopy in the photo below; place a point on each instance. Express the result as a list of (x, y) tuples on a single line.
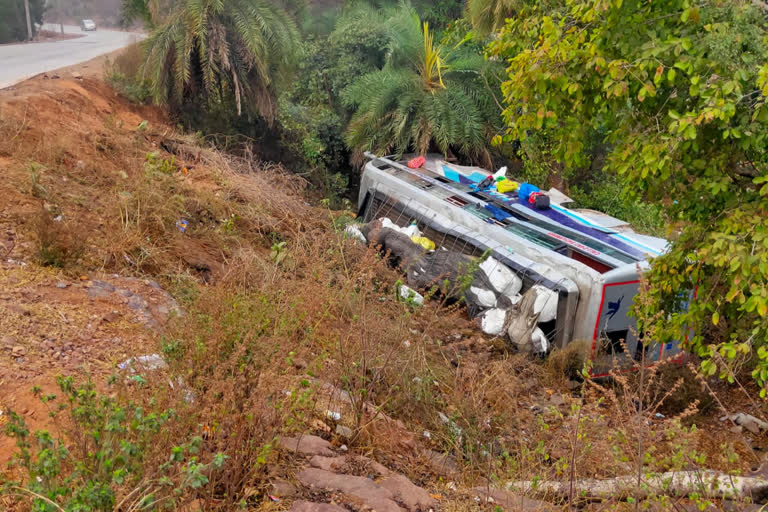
[(214, 51), (679, 89), (427, 95), (13, 19)]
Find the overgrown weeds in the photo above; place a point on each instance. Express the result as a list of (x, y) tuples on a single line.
[(124, 74), (59, 241)]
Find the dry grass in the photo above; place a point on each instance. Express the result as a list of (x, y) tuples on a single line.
[(265, 338)]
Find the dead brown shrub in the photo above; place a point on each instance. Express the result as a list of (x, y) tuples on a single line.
[(569, 362), (59, 241)]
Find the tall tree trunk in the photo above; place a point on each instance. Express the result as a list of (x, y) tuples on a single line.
[(29, 20)]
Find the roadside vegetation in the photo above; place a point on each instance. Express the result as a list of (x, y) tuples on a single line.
[(13, 19), (233, 196)]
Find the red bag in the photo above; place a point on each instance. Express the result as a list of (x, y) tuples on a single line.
[(417, 162), (539, 200)]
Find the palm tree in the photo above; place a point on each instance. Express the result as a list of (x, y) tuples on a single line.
[(489, 16), (426, 96), (212, 51)]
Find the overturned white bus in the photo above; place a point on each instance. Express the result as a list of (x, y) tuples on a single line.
[(589, 259)]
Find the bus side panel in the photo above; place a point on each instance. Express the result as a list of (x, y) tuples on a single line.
[(614, 329)]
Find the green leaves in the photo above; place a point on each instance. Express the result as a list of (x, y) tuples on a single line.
[(680, 97), (418, 101), (239, 49)]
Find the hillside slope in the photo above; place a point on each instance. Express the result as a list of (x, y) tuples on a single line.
[(121, 237)]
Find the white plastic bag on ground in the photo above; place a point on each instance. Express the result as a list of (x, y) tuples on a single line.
[(501, 277), (408, 293), (147, 363), (546, 303), (492, 321), (352, 231)]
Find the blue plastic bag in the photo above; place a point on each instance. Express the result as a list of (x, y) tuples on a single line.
[(525, 190)]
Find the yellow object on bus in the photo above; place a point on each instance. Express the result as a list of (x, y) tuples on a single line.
[(505, 186), (423, 241)]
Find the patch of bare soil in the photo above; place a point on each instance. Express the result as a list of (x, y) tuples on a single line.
[(53, 325)]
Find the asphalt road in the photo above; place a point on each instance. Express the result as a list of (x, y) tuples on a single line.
[(19, 62)]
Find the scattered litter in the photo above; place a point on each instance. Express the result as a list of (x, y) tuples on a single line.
[(454, 427), (427, 434), (407, 344), (660, 416), (352, 231), (332, 415), (61, 285), (417, 380), (343, 448), (437, 497), (147, 363), (274, 498), (452, 486), (182, 224), (58, 218), (407, 293)]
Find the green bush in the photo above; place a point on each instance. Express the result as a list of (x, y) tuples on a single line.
[(112, 443)]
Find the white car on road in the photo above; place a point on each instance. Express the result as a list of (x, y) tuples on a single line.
[(87, 26)]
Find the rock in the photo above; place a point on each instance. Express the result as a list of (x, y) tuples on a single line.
[(283, 489), (557, 399), (364, 489), (124, 292), (345, 432), (97, 289), (307, 445), (512, 502), (308, 506), (137, 303), (335, 464), (413, 497), (18, 351), (76, 75), (441, 464), (19, 309), (749, 422), (111, 317)]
